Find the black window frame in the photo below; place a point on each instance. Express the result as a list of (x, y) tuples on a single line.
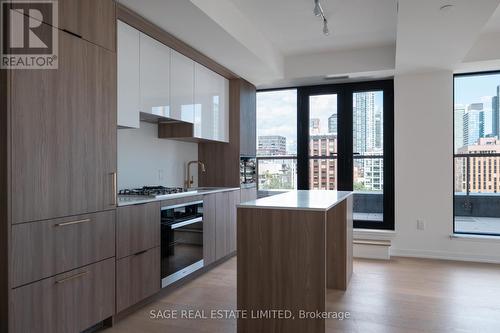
[(345, 93), (455, 155)]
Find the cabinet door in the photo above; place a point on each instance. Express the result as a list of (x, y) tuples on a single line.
[(221, 225), (94, 21), (222, 109), (98, 22), (64, 134), (128, 76), (204, 91), (211, 95), (137, 277), (247, 119), (60, 245), (67, 303), (155, 77), (233, 200), (209, 229), (137, 229), (248, 194), (182, 87)]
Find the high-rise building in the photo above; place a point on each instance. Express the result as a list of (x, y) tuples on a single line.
[(459, 127), (271, 145), (332, 124), (323, 171), (367, 123), (495, 114), (483, 172), (473, 124), (314, 126)]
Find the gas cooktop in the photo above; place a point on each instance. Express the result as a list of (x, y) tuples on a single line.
[(152, 191)]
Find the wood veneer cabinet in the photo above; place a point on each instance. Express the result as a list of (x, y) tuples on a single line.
[(92, 20), (43, 249), (209, 228), (246, 95), (138, 228), (137, 277), (57, 185), (64, 134), (248, 194), (225, 226), (66, 303)]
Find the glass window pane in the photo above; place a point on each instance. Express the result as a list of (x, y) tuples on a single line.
[(368, 141), (323, 174), (277, 123), (476, 142), (323, 142), (368, 123), (277, 174)]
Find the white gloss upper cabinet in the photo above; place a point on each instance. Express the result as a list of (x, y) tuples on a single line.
[(181, 87), (223, 85), (128, 75), (155, 77), (211, 105)]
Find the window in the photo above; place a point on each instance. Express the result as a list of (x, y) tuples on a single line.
[(277, 140), (476, 153), (331, 137)]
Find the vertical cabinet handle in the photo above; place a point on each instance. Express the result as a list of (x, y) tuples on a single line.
[(115, 190)]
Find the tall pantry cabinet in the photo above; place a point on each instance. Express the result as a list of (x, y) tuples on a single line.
[(58, 180)]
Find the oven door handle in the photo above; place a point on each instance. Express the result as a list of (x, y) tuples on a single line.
[(184, 223)]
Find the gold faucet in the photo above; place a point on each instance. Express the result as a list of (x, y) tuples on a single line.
[(190, 179)]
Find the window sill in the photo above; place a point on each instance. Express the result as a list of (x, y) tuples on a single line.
[(475, 238)]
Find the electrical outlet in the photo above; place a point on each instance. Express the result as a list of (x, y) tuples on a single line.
[(420, 224)]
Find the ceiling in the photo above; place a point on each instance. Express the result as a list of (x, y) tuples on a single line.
[(293, 29), (277, 43)]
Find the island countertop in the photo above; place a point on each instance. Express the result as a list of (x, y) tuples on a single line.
[(316, 200)]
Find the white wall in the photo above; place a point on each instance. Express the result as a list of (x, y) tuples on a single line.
[(423, 125), (143, 159)]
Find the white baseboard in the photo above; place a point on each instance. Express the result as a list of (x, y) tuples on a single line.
[(444, 255), (369, 251)]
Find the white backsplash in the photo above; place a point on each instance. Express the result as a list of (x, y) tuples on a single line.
[(144, 159)]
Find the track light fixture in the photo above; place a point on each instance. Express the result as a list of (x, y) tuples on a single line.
[(318, 12), (326, 31), (317, 8)]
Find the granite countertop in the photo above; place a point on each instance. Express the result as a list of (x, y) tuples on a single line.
[(127, 200), (317, 200)]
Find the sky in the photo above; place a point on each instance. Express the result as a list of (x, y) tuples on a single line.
[(277, 113), (475, 89)]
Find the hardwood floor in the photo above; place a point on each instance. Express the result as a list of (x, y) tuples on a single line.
[(401, 295)]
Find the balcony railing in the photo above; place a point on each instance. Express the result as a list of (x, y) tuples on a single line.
[(476, 201), (367, 205)]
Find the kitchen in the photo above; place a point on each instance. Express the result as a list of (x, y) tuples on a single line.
[(212, 166)]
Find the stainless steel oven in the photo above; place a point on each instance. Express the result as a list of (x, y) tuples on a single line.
[(181, 241)]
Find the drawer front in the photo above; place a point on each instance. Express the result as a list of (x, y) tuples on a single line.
[(137, 277), (178, 201), (137, 229), (67, 303), (46, 248)]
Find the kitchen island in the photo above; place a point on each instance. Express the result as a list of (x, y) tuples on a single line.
[(291, 248)]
